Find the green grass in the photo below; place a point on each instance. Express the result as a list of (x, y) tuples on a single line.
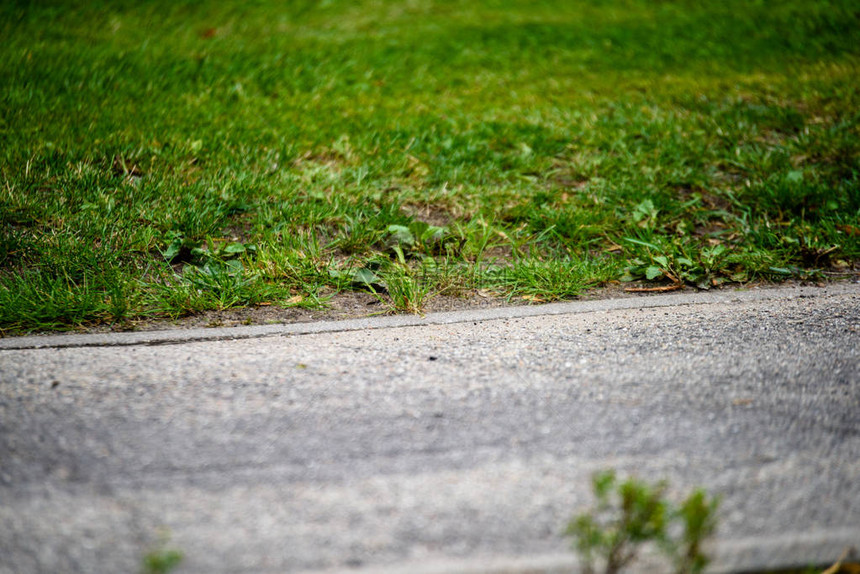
[(166, 158)]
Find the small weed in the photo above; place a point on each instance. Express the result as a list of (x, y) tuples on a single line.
[(161, 560), (702, 266), (181, 249), (549, 280), (407, 289), (401, 287), (419, 238), (630, 514)]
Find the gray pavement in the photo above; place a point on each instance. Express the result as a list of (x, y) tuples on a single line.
[(452, 443)]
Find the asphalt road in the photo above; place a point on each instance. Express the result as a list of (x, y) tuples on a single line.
[(458, 443)]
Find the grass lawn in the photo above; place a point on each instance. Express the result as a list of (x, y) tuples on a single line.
[(161, 159)]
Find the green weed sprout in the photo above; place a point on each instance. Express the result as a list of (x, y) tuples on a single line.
[(161, 559), (632, 513), (161, 562)]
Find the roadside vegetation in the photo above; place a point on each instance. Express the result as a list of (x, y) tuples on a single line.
[(633, 519), (631, 516), (159, 159), (161, 559)]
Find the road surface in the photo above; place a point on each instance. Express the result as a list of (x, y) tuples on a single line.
[(452, 443)]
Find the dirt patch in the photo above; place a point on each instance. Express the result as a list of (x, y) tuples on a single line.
[(429, 214), (353, 305), (710, 201), (357, 305)]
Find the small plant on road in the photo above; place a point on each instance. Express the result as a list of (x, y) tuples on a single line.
[(161, 559), (630, 514)]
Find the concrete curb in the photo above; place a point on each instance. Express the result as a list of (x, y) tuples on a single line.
[(178, 336), (796, 550), (541, 564)]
